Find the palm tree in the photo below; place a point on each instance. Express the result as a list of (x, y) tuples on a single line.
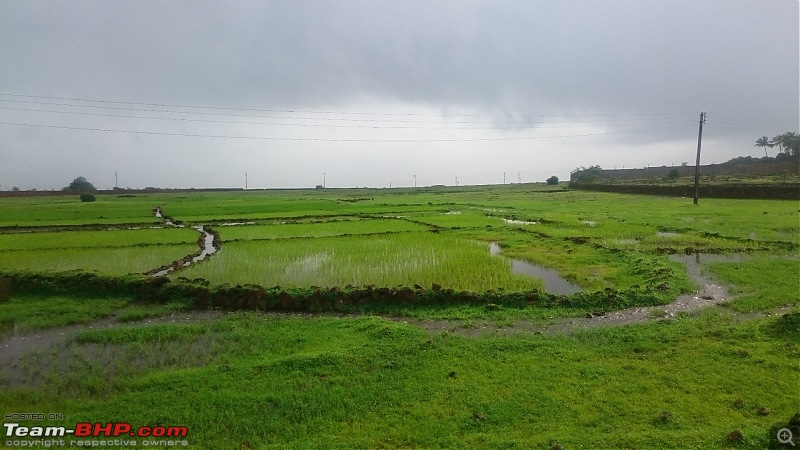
[(764, 142), (791, 142), (779, 140)]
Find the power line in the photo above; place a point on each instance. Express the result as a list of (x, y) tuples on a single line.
[(329, 119), (273, 138), (579, 124), (167, 105)]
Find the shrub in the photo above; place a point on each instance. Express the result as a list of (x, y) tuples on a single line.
[(87, 197)]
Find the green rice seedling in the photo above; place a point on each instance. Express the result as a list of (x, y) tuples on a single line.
[(338, 228), (112, 261), (382, 260), (94, 239)]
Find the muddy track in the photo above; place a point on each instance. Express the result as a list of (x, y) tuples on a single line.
[(209, 243)]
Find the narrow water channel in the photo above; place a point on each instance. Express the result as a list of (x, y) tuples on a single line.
[(207, 243)]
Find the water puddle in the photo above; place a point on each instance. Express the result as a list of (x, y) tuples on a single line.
[(27, 356), (590, 223), (667, 234), (553, 282), (518, 222), (705, 258), (625, 241), (452, 213), (235, 224)]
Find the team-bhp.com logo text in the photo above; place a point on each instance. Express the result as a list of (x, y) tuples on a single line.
[(89, 434)]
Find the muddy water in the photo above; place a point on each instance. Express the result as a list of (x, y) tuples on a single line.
[(519, 222), (553, 282), (208, 247)]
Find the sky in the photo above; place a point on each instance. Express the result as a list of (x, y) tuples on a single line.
[(379, 93)]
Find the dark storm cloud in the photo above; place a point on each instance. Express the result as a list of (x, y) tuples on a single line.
[(605, 56), (738, 58)]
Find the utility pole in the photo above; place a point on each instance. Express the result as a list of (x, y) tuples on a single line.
[(323, 179), (519, 179), (116, 180), (697, 164), (415, 181), (456, 181), (245, 181), (504, 178)]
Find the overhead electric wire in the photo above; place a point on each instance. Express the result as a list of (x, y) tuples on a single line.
[(327, 119), (274, 138), (166, 105), (583, 124)]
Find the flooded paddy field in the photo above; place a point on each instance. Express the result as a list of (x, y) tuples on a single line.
[(557, 308)]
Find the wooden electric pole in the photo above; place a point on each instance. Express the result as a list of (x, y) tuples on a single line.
[(697, 163)]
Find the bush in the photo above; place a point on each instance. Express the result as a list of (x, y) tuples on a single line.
[(674, 174), (552, 180), (87, 197)]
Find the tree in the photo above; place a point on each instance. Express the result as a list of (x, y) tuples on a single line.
[(764, 142), (14, 189), (788, 142), (673, 174), (80, 184), (587, 174), (87, 197), (791, 142), (552, 180)]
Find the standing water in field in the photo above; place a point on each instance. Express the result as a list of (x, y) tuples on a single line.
[(553, 282)]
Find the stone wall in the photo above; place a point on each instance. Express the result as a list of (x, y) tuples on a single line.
[(742, 169)]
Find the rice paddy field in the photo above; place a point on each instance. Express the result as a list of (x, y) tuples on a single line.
[(708, 358)]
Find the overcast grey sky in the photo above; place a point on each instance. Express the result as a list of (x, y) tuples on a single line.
[(374, 92)]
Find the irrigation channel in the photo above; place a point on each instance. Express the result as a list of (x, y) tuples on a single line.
[(208, 241)]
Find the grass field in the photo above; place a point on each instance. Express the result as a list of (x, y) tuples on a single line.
[(270, 380)]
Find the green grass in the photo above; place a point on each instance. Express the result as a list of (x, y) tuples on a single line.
[(267, 381), (761, 283), (292, 381), (34, 312)]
